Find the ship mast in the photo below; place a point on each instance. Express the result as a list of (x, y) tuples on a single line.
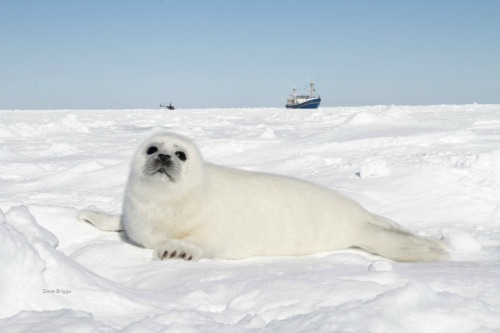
[(311, 92)]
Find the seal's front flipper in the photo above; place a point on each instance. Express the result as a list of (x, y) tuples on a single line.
[(100, 220), (179, 249)]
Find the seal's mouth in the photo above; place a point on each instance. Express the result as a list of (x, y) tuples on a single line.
[(162, 168)]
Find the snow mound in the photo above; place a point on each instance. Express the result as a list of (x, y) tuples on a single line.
[(62, 321), (385, 115), (67, 124), (268, 134), (32, 264), (460, 240), (5, 132), (381, 266), (374, 167)]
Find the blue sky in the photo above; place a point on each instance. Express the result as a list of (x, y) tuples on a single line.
[(204, 54)]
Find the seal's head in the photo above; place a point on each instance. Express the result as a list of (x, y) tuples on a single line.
[(167, 157), (163, 162)]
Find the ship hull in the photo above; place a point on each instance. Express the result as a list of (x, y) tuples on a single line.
[(309, 104)]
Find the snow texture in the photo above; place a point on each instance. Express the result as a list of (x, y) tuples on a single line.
[(433, 169)]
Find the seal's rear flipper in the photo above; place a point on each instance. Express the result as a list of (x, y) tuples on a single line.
[(386, 238), (100, 220)]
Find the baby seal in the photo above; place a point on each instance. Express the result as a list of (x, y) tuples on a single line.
[(185, 208)]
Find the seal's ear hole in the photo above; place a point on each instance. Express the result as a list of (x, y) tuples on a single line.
[(181, 155), (151, 150)]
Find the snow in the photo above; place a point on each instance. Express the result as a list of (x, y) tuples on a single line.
[(434, 169)]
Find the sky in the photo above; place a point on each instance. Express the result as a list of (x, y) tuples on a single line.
[(109, 54)]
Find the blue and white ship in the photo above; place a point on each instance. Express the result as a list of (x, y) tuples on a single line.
[(310, 101)]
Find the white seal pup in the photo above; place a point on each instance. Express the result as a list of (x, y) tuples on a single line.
[(183, 207)]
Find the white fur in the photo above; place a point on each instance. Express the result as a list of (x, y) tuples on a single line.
[(212, 211)]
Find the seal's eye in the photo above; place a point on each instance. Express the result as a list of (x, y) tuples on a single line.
[(152, 150), (181, 155)]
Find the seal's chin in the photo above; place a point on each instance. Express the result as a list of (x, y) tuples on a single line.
[(164, 171)]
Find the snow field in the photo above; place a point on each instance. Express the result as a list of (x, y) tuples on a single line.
[(433, 169)]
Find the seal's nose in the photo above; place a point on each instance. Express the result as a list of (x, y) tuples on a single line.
[(163, 157)]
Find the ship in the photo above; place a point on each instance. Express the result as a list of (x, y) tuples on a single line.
[(310, 101)]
